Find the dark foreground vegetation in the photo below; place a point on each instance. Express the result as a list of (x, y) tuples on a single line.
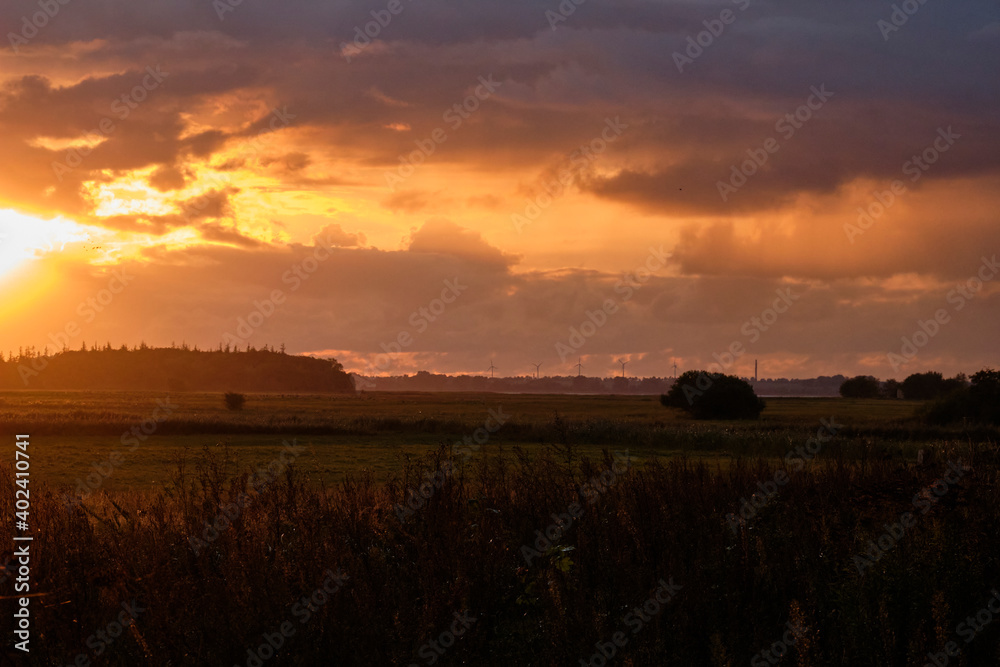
[(739, 573), (975, 403)]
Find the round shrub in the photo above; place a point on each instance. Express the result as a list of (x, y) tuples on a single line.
[(713, 396)]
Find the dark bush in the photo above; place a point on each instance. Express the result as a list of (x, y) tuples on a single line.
[(953, 384), (713, 396), (235, 401), (861, 386), (923, 386), (947, 409), (891, 389), (977, 403)]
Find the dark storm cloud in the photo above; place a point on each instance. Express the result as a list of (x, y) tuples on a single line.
[(605, 58)]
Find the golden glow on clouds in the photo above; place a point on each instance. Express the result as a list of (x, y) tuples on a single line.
[(130, 196), (218, 181), (62, 144)]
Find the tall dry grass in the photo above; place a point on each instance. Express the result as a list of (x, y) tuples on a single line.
[(462, 551)]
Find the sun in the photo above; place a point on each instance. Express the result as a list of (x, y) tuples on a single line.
[(24, 238)]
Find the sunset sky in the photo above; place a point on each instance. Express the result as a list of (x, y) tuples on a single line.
[(508, 167)]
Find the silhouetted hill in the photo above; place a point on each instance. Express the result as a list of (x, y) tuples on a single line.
[(174, 369)]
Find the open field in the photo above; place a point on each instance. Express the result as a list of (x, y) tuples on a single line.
[(543, 540), (343, 434), (50, 411), (546, 562)]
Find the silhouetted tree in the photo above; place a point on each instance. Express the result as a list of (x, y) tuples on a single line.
[(923, 386), (861, 386), (891, 389), (956, 383), (984, 395), (713, 396)]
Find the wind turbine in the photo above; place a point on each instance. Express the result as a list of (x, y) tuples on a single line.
[(579, 366), (622, 362), (537, 367), (491, 368)]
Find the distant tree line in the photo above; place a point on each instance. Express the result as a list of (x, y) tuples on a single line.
[(977, 402), (425, 381), (573, 384), (144, 368), (960, 398), (917, 387)]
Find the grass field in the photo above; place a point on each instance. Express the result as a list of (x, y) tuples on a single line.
[(85, 409), (217, 558), (377, 431)]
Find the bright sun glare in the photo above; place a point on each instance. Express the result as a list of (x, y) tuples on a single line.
[(23, 238)]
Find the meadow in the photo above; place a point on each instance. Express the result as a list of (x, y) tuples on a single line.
[(381, 543), (377, 432)]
